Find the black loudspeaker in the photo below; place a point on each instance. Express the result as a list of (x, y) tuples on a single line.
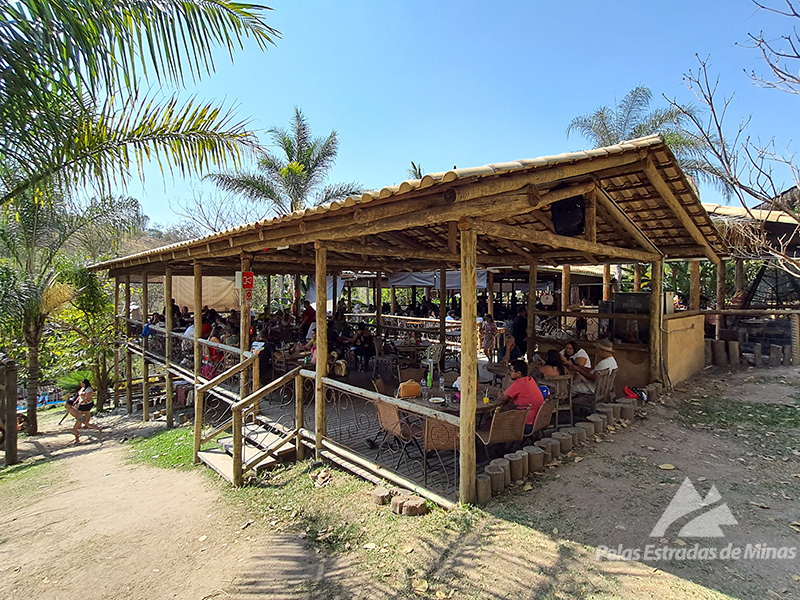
[(569, 216)]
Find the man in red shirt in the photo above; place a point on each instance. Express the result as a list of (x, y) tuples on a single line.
[(523, 391)]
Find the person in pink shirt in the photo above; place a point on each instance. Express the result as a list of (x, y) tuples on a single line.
[(523, 391)]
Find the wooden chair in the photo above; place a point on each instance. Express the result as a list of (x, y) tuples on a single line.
[(506, 426), (413, 373), (395, 428), (381, 358), (603, 391), (561, 390)]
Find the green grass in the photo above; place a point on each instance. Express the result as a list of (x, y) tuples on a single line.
[(172, 448), (726, 414), (28, 479)]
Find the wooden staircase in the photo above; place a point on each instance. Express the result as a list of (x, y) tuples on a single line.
[(259, 449)]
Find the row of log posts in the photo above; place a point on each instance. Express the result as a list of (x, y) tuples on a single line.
[(168, 315), (8, 379), (145, 364), (128, 355), (322, 345), (469, 362)]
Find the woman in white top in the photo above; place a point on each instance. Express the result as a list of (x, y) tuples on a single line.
[(576, 355)]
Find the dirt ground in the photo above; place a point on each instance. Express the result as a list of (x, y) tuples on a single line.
[(95, 525)]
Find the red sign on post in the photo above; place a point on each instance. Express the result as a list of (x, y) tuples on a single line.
[(247, 280), (248, 297)]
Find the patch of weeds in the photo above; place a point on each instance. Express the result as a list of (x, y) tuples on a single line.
[(168, 449), (725, 414), (28, 478)]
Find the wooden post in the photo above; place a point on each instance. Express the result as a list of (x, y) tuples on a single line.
[(443, 312), (116, 342), (299, 448), (469, 364), (320, 423), (168, 310), (694, 285), (350, 298), (394, 300), (238, 428), (128, 355), (606, 283), (565, 284), (490, 293), (533, 276), (378, 304), (145, 364), (269, 296), (637, 277), (795, 340), (244, 333), (298, 303), (198, 357), (656, 319), (10, 382), (720, 296)]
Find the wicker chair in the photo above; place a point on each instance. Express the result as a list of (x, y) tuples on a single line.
[(279, 366), (561, 390), (380, 385), (413, 373), (439, 437), (395, 428), (506, 426), (543, 417)]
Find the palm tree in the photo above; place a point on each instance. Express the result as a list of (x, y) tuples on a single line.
[(632, 118), (58, 56), (416, 171), (295, 179), (35, 227)]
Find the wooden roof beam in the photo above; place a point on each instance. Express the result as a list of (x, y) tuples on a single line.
[(522, 234), (666, 193), (618, 215), (373, 250)]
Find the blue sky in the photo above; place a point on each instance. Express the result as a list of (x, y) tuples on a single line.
[(469, 83)]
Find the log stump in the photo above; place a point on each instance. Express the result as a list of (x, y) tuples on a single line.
[(381, 496), (415, 507), (555, 447), (597, 421), (548, 456), (484, 488), (564, 439), (627, 411), (759, 358), (503, 464), (588, 429), (709, 353), (734, 354), (578, 435), (498, 479), (535, 458), (608, 413), (524, 458), (720, 354), (787, 356), (515, 464), (398, 502), (775, 355)]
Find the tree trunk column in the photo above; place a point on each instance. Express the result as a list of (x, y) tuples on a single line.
[(378, 304), (740, 281), (490, 293), (145, 364), (443, 313), (720, 296), (469, 362), (128, 355), (168, 345), (656, 318), (694, 285), (198, 355), (533, 276), (606, 283), (320, 423), (9, 380), (637, 277), (244, 332)]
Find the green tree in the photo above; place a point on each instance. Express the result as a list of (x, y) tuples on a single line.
[(70, 109), (35, 227), (416, 171), (294, 179), (632, 118)]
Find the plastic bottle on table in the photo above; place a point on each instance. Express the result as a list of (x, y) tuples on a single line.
[(441, 381)]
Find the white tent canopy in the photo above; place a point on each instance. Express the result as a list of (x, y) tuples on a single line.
[(431, 279), (311, 294)]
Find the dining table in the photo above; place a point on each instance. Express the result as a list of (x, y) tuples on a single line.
[(412, 351), (452, 407)]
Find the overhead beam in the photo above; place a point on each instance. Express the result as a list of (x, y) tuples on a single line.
[(350, 248), (523, 234), (664, 190), (624, 221)]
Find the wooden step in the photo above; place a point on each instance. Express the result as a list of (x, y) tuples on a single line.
[(258, 436), (220, 461), (251, 452)]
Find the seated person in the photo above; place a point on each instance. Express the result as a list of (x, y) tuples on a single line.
[(605, 351), (364, 345), (510, 351), (265, 351), (523, 391), (553, 365)]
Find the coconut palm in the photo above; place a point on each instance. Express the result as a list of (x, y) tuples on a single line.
[(57, 57), (416, 171), (632, 118), (34, 229), (295, 178)]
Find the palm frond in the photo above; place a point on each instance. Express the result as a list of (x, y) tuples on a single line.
[(253, 186), (338, 191)]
